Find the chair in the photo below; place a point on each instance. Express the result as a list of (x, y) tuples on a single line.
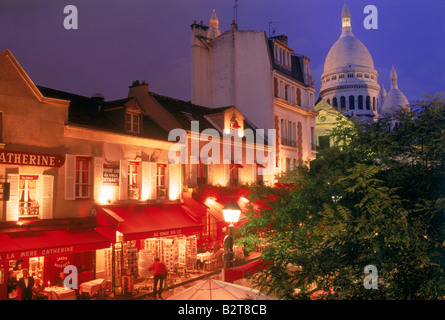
[(103, 288), (54, 296)]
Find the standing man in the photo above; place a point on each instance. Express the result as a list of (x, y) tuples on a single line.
[(25, 284), (159, 274)]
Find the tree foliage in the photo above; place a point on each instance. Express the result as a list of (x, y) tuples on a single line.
[(375, 198)]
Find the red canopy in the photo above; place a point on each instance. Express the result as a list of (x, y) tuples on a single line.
[(149, 221), (43, 243)]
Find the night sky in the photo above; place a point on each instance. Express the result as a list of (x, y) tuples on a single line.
[(119, 41)]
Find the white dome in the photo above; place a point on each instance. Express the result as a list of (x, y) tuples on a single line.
[(393, 101), (347, 52)]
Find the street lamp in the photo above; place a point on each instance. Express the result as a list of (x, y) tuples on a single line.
[(231, 212)]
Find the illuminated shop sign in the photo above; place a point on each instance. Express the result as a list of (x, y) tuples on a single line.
[(31, 159), (36, 253)]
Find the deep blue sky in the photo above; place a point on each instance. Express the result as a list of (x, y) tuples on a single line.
[(119, 41)]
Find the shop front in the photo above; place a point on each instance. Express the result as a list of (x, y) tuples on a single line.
[(143, 233), (46, 254)]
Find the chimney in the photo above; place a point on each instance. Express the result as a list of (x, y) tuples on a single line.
[(199, 29), (282, 38), (98, 97), (138, 89), (307, 73), (234, 26)]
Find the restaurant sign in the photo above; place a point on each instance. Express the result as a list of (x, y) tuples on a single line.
[(111, 175), (31, 159), (36, 253)]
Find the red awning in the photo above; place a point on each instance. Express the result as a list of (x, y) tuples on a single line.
[(43, 243), (236, 273), (150, 221)]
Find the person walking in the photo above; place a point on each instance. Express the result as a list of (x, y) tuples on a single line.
[(159, 275)]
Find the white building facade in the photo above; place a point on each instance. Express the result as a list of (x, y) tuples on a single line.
[(263, 78)]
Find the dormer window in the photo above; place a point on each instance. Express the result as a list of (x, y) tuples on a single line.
[(132, 122), (282, 56), (234, 123)]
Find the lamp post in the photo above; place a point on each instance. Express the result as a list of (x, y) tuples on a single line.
[(231, 212)]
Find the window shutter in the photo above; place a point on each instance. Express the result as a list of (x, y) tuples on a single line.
[(12, 213), (226, 174), (152, 179), (46, 189), (145, 180), (193, 171), (98, 172), (70, 177), (275, 87), (174, 181), (254, 173), (123, 180)]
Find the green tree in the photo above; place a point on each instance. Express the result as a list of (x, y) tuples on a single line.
[(375, 198)]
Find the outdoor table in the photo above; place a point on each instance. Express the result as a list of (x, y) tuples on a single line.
[(205, 256), (91, 287), (63, 293)]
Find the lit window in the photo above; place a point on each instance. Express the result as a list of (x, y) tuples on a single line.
[(28, 205), (83, 177), (160, 181), (133, 181)]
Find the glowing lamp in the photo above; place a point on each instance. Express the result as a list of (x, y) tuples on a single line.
[(231, 212)]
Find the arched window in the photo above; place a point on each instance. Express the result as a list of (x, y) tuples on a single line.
[(351, 103), (373, 103), (334, 102), (368, 103), (342, 102), (360, 102), (329, 101)]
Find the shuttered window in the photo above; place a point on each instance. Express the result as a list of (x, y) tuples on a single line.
[(31, 196)]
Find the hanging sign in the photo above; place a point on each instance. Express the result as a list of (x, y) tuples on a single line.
[(111, 175), (31, 159)]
